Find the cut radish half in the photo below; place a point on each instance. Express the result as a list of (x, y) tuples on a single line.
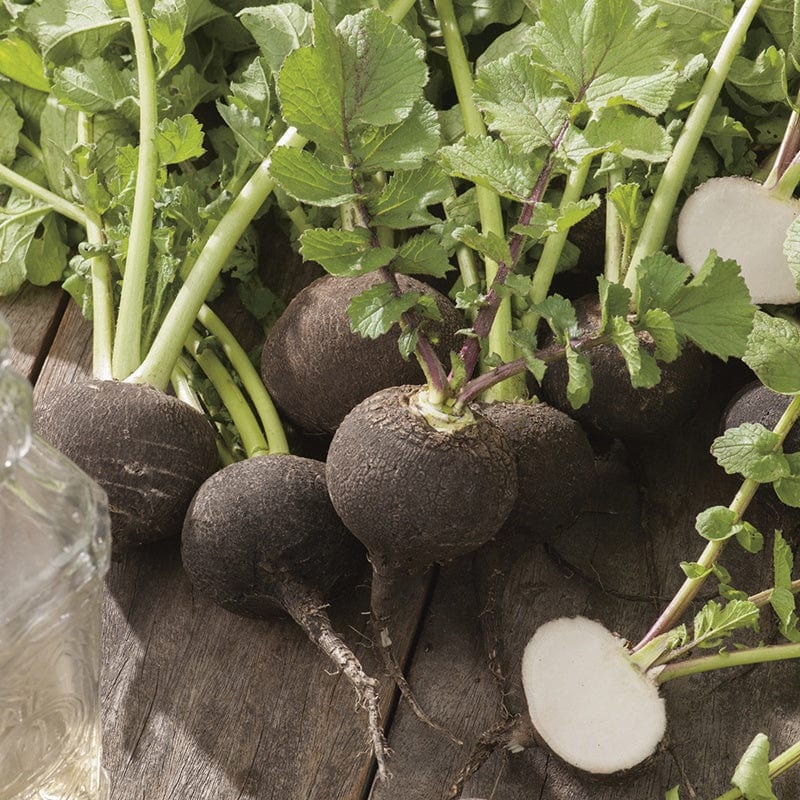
[(587, 700), (741, 220)]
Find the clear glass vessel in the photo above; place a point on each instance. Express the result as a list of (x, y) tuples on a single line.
[(54, 552)]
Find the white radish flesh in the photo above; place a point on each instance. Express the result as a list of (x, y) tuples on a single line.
[(587, 700), (741, 220)]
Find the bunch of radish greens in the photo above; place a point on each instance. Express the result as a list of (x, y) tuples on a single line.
[(142, 140)]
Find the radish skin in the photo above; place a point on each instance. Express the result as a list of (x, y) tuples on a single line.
[(587, 700), (741, 220)]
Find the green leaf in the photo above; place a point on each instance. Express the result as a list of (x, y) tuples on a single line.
[(521, 103), (384, 69), (773, 353), (716, 523), (422, 254), (673, 794), (407, 342), (489, 245), (753, 451), (93, 87), (22, 64), (65, 29), (606, 52), (546, 219), (763, 79), (403, 201), (662, 331), (179, 140), (19, 221), (695, 571), (373, 312), (278, 30), (627, 200), (10, 126), (715, 622), (404, 145), (630, 135), (694, 26), (660, 281), (514, 285), (252, 91), (249, 129), (306, 178), (714, 309), (614, 300), (751, 776), (642, 367), (748, 537), (171, 21), (783, 600), (526, 342), (579, 385), (47, 256), (560, 316), (788, 488), (346, 253), (488, 162)]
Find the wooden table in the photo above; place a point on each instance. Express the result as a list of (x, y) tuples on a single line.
[(202, 705)]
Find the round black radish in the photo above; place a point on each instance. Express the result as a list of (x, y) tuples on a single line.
[(149, 452), (317, 369), (615, 408), (741, 220), (415, 491), (256, 521), (261, 537), (756, 403), (589, 703), (556, 477)]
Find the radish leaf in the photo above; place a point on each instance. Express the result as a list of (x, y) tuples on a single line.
[(308, 179), (344, 252), (715, 622), (783, 600), (750, 450), (751, 776), (422, 254), (773, 353), (373, 312), (579, 385)]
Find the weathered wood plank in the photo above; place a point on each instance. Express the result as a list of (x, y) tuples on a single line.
[(32, 313), (613, 568)]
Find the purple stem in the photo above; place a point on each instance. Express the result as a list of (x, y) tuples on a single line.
[(485, 318)]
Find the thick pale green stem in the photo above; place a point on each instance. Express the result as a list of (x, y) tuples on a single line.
[(250, 378), (397, 9), (554, 245), (491, 212), (157, 365), (102, 288), (235, 402), (61, 206), (691, 586), (654, 230), (780, 764), (787, 183), (612, 267), (729, 658), (128, 342), (30, 147)]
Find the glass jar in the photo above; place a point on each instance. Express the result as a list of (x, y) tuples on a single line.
[(54, 552)]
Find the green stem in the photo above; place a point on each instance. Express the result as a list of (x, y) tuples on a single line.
[(612, 268), (30, 147), (788, 149), (102, 288), (157, 365), (250, 378), (780, 764), (691, 586), (181, 385), (61, 206), (491, 212), (787, 183), (763, 598), (128, 342), (731, 658), (554, 245), (235, 402), (397, 9), (654, 230)]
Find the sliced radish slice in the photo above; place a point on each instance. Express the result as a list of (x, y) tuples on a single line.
[(587, 700), (742, 220)]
